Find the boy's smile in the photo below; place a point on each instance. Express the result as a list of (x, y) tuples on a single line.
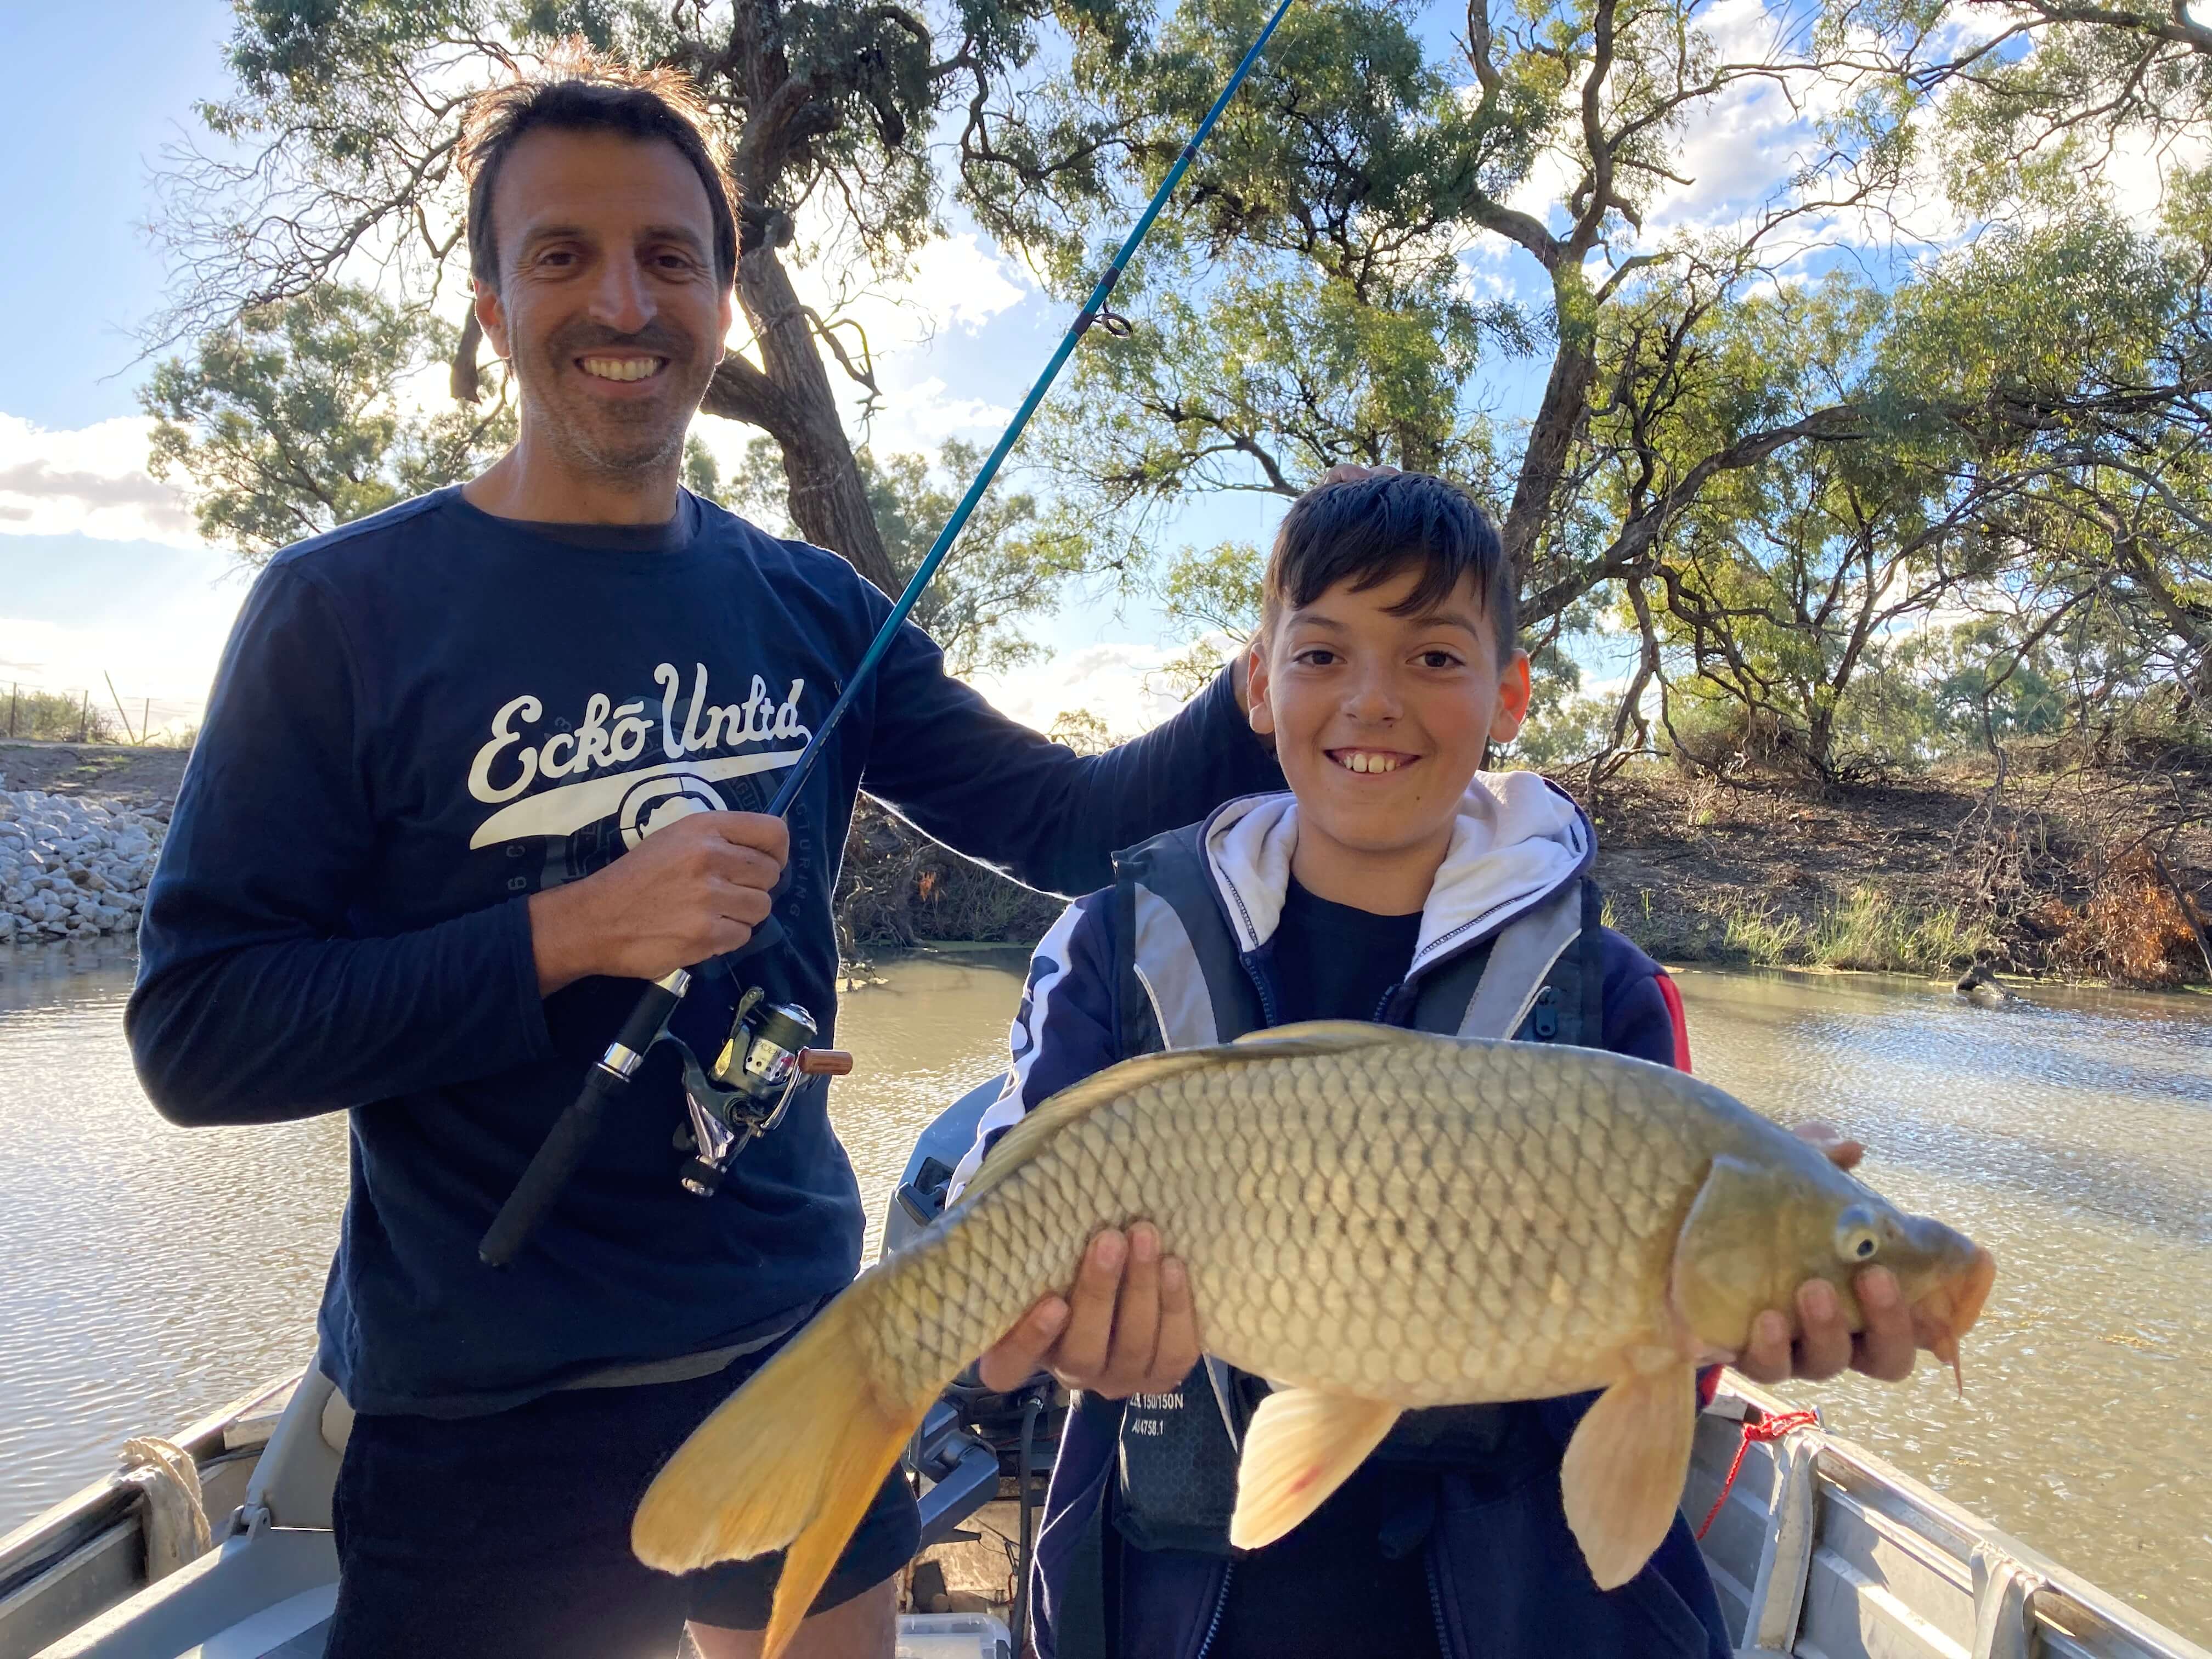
[(1380, 721)]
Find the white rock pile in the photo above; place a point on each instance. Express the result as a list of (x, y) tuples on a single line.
[(71, 867)]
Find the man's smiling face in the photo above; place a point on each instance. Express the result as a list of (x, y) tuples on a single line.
[(609, 306), (1379, 718)]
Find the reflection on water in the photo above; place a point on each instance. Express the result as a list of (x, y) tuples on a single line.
[(2073, 1137), (152, 1273)]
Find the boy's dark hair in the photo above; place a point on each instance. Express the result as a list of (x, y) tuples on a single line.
[(1365, 530), (580, 90)]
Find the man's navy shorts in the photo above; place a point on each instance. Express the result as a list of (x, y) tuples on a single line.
[(509, 1533)]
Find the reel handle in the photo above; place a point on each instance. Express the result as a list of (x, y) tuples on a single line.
[(572, 1135), (824, 1062)]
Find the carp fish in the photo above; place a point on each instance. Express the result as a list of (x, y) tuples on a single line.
[(1374, 1220)]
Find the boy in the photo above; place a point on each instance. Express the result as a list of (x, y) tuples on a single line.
[(1396, 883)]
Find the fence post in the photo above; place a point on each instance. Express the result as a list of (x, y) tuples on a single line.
[(15, 696), (84, 721), (145, 713)]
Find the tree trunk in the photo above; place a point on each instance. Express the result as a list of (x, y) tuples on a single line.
[(1566, 402), (789, 397)]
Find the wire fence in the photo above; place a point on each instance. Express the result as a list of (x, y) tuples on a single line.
[(36, 710)]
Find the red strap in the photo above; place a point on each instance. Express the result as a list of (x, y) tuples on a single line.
[(1672, 998), (1767, 1428)]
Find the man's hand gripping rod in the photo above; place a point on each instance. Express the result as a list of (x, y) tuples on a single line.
[(556, 1159)]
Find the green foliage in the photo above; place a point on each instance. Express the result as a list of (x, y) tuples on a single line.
[(296, 420), (57, 717), (1013, 561), (1867, 932)]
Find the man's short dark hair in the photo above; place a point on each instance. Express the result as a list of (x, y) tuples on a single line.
[(1367, 531), (579, 90)]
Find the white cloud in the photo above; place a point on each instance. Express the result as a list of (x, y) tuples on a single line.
[(161, 667), (90, 481), (1125, 685)]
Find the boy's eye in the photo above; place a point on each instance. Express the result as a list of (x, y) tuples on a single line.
[(1318, 656), (1439, 659)]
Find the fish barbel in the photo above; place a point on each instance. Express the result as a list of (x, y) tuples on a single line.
[(1374, 1220)]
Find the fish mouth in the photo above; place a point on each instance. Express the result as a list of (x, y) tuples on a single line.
[(1948, 1312)]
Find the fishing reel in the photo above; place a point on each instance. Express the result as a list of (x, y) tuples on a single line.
[(748, 1089)]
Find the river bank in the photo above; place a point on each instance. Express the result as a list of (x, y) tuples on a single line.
[(2070, 867), (2063, 870)]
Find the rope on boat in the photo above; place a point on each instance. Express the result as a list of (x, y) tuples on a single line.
[(1767, 1428), (176, 1523)]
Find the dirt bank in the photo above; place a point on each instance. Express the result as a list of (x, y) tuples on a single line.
[(140, 778), (2070, 869)]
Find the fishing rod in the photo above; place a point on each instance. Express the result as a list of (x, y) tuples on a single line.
[(564, 1146)]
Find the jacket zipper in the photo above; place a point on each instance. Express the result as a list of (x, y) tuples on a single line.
[(1220, 1607), (1436, 1603)]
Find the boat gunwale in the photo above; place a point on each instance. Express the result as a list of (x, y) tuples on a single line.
[(87, 1516), (1844, 1468)]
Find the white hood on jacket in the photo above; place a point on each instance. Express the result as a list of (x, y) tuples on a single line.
[(1516, 841)]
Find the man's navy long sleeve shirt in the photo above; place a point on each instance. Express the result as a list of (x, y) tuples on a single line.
[(423, 718)]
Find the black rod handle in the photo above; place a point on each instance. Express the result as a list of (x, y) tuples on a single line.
[(572, 1135)]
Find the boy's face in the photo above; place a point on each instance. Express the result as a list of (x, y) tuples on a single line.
[(1380, 720)]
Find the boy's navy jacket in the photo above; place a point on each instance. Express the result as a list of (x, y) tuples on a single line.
[(425, 717), (1507, 1578)]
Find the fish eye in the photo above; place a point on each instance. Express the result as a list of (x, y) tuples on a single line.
[(1857, 1238)]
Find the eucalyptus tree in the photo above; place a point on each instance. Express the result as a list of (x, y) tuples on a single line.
[(297, 418), (1329, 289)]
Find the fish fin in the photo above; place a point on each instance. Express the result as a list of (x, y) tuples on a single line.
[(1301, 1446), (1019, 1144), (791, 1462), (1623, 1474), (1328, 1036)]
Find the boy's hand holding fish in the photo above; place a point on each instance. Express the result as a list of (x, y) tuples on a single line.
[(1127, 1327)]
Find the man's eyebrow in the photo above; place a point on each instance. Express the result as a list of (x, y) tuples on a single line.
[(683, 234)]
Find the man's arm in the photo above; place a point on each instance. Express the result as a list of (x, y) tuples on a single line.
[(998, 791), (255, 1002), (251, 1006)]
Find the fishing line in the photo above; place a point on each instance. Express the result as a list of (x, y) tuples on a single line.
[(556, 1159)]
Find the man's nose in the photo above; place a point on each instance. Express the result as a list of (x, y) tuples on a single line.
[(620, 299)]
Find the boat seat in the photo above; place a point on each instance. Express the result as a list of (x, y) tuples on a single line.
[(307, 1644), (337, 1422)]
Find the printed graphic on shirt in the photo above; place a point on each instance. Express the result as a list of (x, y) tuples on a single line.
[(584, 791)]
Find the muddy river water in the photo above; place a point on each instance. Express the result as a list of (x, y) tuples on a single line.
[(149, 1274)]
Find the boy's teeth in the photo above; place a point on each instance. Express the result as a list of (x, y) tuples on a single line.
[(1359, 759), (620, 368)]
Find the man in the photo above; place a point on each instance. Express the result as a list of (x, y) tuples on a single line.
[(474, 768)]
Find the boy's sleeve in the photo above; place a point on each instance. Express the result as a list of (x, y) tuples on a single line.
[(1643, 1009), (1067, 1026)]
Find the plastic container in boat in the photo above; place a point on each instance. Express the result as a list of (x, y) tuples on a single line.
[(953, 1635)]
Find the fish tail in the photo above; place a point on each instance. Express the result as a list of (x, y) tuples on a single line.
[(791, 1462)]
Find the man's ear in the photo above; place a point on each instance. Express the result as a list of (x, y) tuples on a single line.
[(1257, 709), (491, 317), (1512, 699)]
